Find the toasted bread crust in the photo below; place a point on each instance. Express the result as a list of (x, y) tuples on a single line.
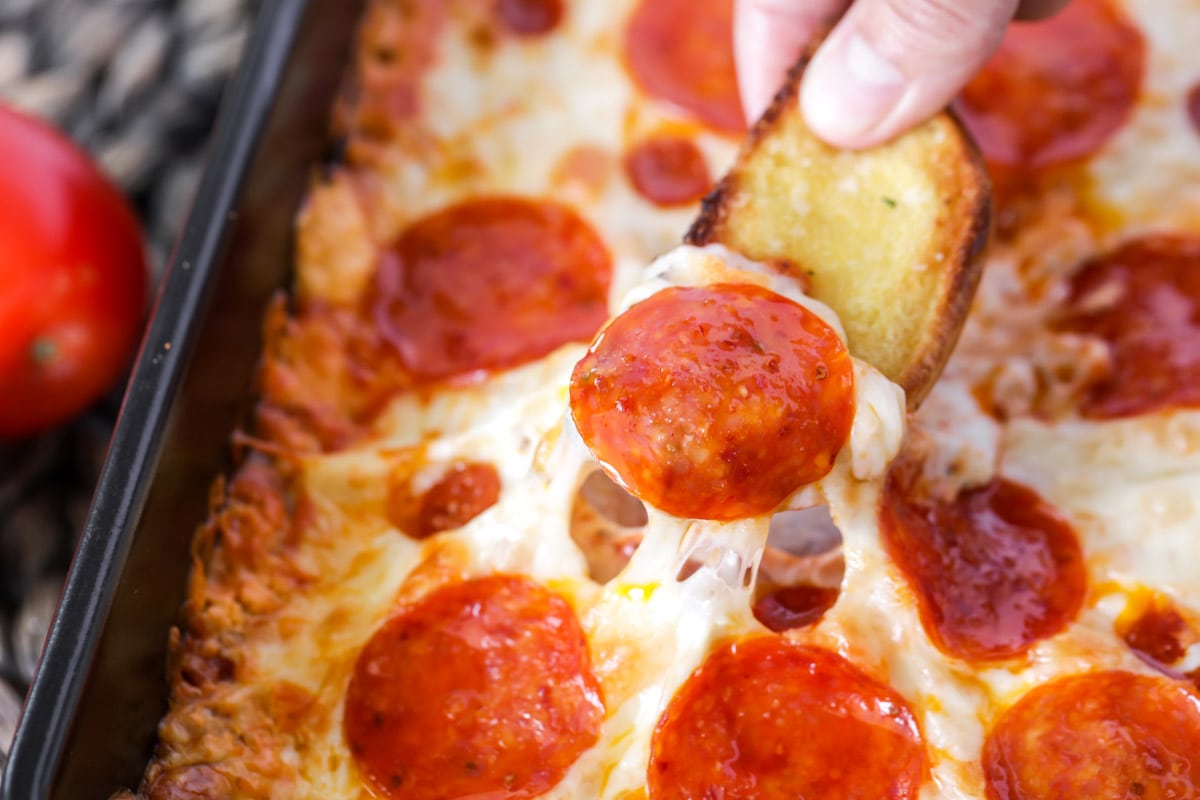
[(889, 236)]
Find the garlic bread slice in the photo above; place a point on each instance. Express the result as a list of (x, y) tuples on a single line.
[(889, 237)]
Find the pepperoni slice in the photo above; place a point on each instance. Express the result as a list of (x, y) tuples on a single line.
[(715, 402), (1056, 90), (681, 51), (771, 720), (668, 171), (1162, 636), (488, 284), (529, 17), (482, 689), (1101, 735), (1158, 633), (1143, 300), (789, 607), (463, 493), (995, 569), (1193, 107)]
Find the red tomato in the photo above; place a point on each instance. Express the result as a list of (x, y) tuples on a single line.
[(72, 278)]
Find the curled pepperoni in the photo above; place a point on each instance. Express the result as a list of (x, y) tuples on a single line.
[(681, 51), (1101, 735), (1143, 300), (1158, 633), (771, 720), (715, 402), (482, 689), (1056, 90), (488, 284), (529, 17), (789, 607), (801, 569), (1162, 636), (668, 171), (463, 493), (995, 569)]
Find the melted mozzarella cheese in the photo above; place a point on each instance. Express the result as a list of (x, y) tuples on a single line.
[(1149, 173), (649, 631), (511, 120), (1132, 489), (516, 117), (662, 627), (688, 265)]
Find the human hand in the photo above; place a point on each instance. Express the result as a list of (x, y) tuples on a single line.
[(885, 67)]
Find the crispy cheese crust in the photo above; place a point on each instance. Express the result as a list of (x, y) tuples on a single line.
[(310, 548), (224, 736)]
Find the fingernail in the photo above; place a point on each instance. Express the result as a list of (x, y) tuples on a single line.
[(848, 90)]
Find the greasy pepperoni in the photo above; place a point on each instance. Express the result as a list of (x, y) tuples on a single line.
[(1056, 90), (791, 607), (1143, 300), (995, 569), (1162, 636), (482, 689), (681, 51), (490, 283), (1158, 633), (771, 720), (1100, 735), (715, 402), (1193, 107), (465, 491), (668, 171), (529, 17)]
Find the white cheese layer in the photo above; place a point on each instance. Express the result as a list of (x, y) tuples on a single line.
[(521, 119)]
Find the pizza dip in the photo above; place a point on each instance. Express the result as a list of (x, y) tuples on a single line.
[(540, 503)]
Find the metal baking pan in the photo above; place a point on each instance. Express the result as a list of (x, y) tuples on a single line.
[(88, 727)]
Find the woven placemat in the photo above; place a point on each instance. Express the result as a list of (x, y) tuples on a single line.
[(137, 84)]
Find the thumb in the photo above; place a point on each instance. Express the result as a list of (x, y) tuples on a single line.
[(889, 64), (768, 37)]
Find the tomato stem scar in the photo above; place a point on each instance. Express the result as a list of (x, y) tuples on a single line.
[(43, 350)]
